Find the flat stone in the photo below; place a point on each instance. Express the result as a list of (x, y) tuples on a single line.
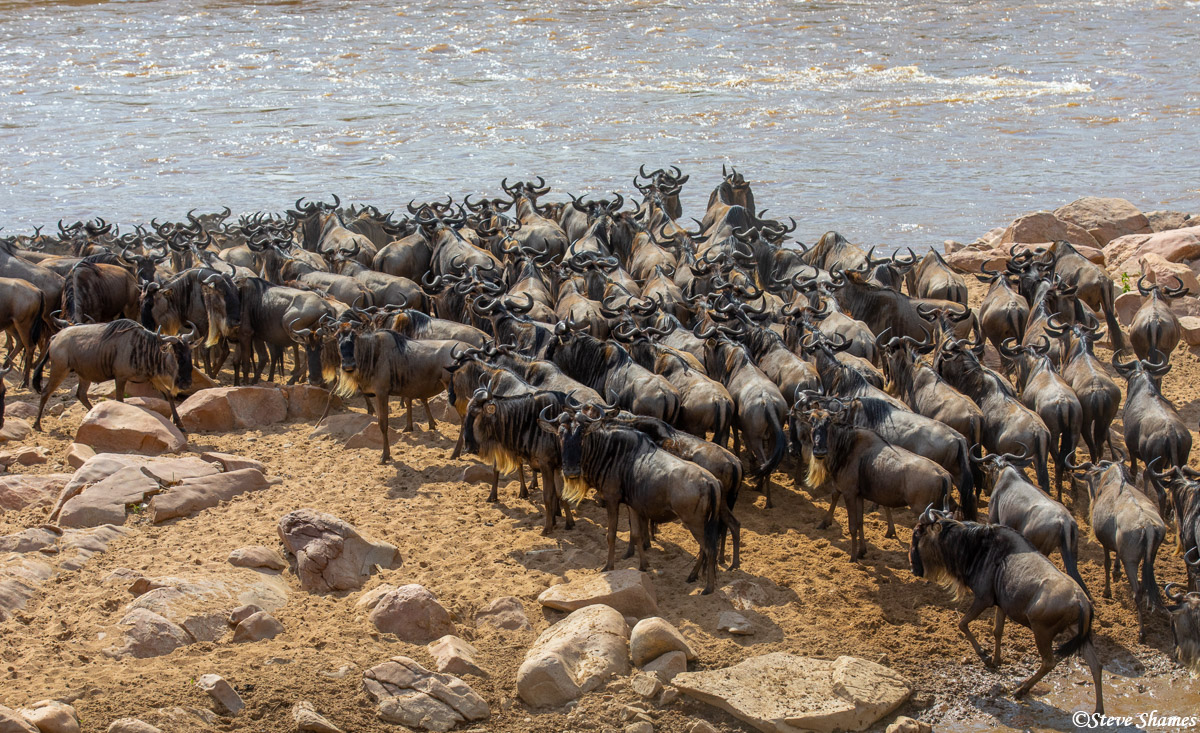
[(231, 462), (330, 554), (308, 720), (24, 456), (51, 716), (412, 613), (223, 409), (195, 494), (257, 556), (15, 429), (34, 539), (105, 502), (646, 686), (667, 666), (131, 725), (257, 627), (574, 656), (370, 437), (411, 695), (77, 454), (171, 471), (221, 692), (12, 722), (22, 490), (629, 591), (505, 612), (153, 404), (22, 410), (734, 623), (744, 595), (95, 469), (653, 637), (455, 656), (785, 693), (114, 427), (149, 635)]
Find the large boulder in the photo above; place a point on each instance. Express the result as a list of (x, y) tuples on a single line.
[(1105, 219), (1161, 271), (114, 427), (412, 613), (1042, 227), (52, 716), (411, 695), (194, 494), (12, 722), (225, 408), (574, 656), (1177, 245), (975, 260), (330, 554), (306, 402), (1164, 221), (654, 637), (1190, 325), (105, 501), (20, 491), (788, 693), (629, 591)]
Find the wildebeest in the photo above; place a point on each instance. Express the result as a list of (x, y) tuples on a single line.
[(1002, 569), (856, 464), (96, 292), (1152, 426), (1004, 311), (1099, 396), (608, 369), (1185, 627), (1124, 521), (626, 467), (22, 316), (933, 278), (1184, 484), (123, 351), (1155, 326), (3, 390)]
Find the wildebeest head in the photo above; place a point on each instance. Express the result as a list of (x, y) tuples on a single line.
[(347, 340), (925, 553), (1185, 626), (159, 309), (995, 463), (223, 304)]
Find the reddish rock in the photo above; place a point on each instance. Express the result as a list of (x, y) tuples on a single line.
[(52, 716), (105, 501), (412, 613), (1176, 245), (1105, 219), (974, 260), (306, 402), (20, 491), (153, 404), (1163, 221), (15, 429), (330, 554), (114, 427), (194, 494), (257, 556), (504, 613), (171, 471), (257, 627), (1127, 304), (77, 454), (224, 408), (12, 722), (22, 410), (232, 463), (25, 456), (1043, 226), (455, 656), (1191, 330), (476, 473), (370, 437), (241, 613), (1163, 272)]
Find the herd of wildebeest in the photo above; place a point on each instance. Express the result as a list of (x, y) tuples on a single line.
[(611, 347)]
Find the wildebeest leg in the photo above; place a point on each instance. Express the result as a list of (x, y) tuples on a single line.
[(555, 484), (998, 632), (370, 405), (429, 414), (81, 393), (1088, 652), (1045, 646), (833, 502), (382, 399), (1107, 574), (614, 506), (735, 529), (119, 390), (524, 492), (854, 510), (638, 527), (170, 398), (550, 509), (409, 427), (887, 512), (633, 536), (764, 485), (58, 373), (533, 477), (494, 495), (458, 446), (964, 625), (1131, 573)]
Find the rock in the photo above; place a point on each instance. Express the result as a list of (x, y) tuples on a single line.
[(153, 404), (1044, 227), (476, 473), (1104, 218), (25, 456), (341, 427), (330, 554), (667, 666), (12, 722), (223, 409), (220, 691), (505, 612), (241, 613), (734, 623), (654, 637), (77, 454), (257, 627), (257, 556), (702, 726), (105, 502), (744, 595), (974, 260), (95, 469), (369, 599), (1127, 304), (306, 402), (1191, 330), (1176, 245), (648, 686), (412, 613), (784, 692), (411, 695), (171, 471), (131, 725), (455, 656), (149, 635), (1186, 306), (206, 625), (33, 539), (22, 410), (1160, 271), (1162, 221), (904, 724), (950, 246), (308, 720), (370, 437), (629, 591), (22, 490), (51, 716), (233, 463), (114, 427), (195, 494), (640, 727), (15, 428), (574, 656)]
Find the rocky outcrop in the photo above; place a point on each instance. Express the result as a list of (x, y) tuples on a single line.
[(330, 554), (306, 402), (105, 501), (408, 694), (46, 552), (413, 614), (114, 427), (629, 591), (1177, 245), (574, 656), (787, 693), (1163, 221), (18, 492), (1043, 227), (1104, 219), (195, 494), (225, 408)]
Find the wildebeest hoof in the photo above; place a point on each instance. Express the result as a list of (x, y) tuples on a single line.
[(822, 525), (891, 533), (1107, 594)]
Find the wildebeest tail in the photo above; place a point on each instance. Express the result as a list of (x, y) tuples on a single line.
[(35, 331), (1107, 304), (714, 526), (37, 371), (1070, 544), (1043, 471), (1075, 643), (1150, 585), (777, 452)]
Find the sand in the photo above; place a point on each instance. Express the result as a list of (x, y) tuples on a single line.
[(469, 552)]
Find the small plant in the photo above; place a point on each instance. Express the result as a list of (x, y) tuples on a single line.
[(1124, 282)]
